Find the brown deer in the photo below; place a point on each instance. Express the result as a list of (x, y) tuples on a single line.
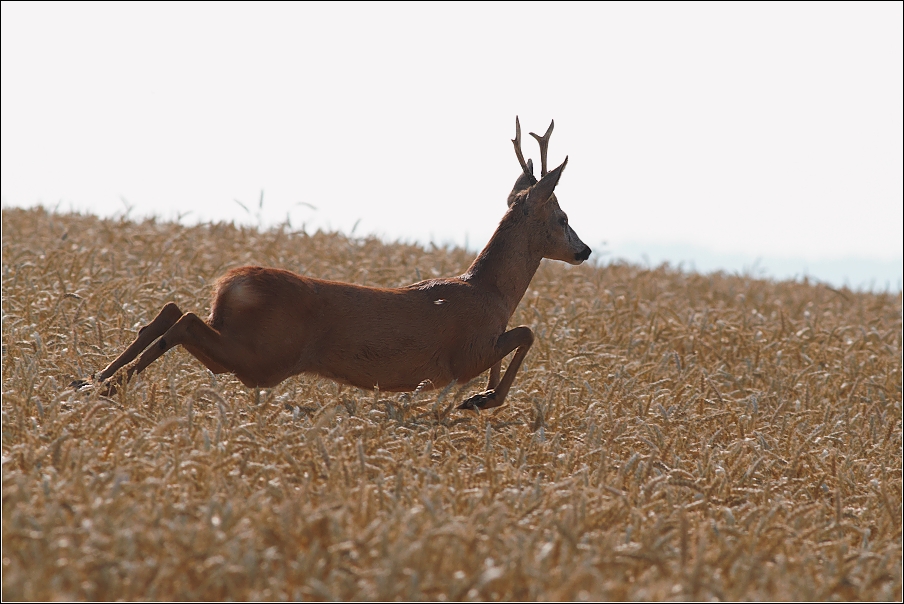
[(268, 324)]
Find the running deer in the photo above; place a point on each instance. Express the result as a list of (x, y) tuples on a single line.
[(268, 324)]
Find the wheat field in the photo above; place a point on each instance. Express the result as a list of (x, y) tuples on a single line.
[(671, 436)]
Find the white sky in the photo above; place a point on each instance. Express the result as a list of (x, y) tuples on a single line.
[(768, 130)]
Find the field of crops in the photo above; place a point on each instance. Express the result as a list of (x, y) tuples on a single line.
[(670, 436)]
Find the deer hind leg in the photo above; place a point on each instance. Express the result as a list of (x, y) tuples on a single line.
[(206, 344), (519, 339), (164, 320)]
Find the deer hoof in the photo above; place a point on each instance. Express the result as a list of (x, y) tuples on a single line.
[(107, 388), (81, 385), (481, 400)]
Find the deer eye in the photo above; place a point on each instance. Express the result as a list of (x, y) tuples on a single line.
[(563, 220)]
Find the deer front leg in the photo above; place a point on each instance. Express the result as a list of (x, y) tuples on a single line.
[(519, 338), (494, 375)]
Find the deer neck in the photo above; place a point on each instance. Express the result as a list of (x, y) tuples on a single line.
[(507, 264)]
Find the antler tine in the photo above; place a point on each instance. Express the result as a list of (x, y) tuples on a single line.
[(544, 145), (517, 142)]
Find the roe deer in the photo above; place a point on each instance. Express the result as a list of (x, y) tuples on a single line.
[(268, 324)]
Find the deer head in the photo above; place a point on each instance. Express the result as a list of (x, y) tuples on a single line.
[(549, 229)]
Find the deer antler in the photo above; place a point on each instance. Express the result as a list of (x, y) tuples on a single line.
[(544, 145), (527, 167)]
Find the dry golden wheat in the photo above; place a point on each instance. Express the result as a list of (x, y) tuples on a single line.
[(670, 436)]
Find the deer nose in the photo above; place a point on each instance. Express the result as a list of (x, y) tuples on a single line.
[(583, 254)]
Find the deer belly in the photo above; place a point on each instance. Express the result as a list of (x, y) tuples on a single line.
[(398, 366)]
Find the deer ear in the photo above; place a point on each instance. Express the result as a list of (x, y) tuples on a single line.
[(542, 191), (525, 181)]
